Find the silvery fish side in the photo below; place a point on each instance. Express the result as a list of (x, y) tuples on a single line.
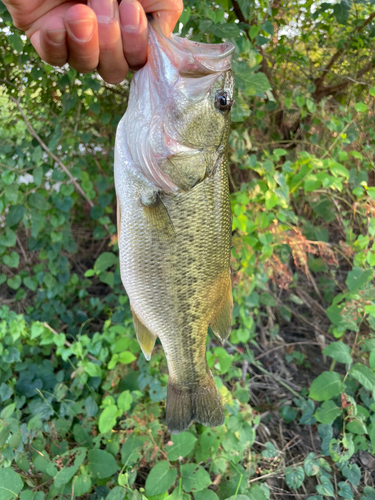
[(174, 218)]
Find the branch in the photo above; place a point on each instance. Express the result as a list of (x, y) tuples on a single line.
[(46, 149), (319, 81), (334, 89)]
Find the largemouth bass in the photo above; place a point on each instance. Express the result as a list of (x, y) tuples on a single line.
[(174, 218)]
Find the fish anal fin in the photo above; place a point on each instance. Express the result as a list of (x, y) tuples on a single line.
[(198, 402), (157, 215), (145, 338), (221, 324)]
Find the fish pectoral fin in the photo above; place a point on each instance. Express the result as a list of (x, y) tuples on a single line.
[(145, 338), (157, 216), (221, 325)]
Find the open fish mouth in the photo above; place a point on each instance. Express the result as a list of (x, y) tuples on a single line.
[(193, 59)]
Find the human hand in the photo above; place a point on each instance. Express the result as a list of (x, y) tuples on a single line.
[(94, 34)]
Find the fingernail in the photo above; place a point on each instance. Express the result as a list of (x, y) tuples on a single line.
[(82, 30), (104, 10), (57, 37), (130, 16)]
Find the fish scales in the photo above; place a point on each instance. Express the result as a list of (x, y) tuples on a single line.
[(174, 218)]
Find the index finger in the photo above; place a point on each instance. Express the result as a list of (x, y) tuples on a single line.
[(168, 11)]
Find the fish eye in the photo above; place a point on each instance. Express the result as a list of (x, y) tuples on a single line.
[(222, 103)]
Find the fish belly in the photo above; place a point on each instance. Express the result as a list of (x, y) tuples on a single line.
[(174, 258)]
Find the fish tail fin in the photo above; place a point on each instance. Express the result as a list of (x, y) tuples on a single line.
[(186, 404)]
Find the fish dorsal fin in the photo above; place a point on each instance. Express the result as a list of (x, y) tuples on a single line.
[(221, 325), (145, 338)]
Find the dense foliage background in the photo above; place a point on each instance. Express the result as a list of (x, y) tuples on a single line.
[(81, 411)]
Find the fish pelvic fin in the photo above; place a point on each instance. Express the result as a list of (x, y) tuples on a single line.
[(221, 325), (188, 403), (145, 338)]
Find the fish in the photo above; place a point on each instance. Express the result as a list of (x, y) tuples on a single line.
[(173, 214)]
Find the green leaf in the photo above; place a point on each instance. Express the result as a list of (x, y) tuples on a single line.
[(125, 401), (352, 473), (37, 329), (126, 357), (341, 11), (249, 82), (105, 261), (14, 282), (9, 239), (326, 386), (93, 370), (294, 477), (108, 418), (12, 260), (6, 392), (15, 41), (311, 465), (369, 493), (205, 495), (91, 406), (339, 352), (360, 107), (37, 201), (257, 492), (81, 484), (117, 493), (183, 444), (364, 376), (107, 278), (101, 464), (160, 478), (326, 487), (15, 214), (130, 451), (64, 476), (10, 484), (345, 491), (357, 278), (327, 413), (338, 170), (31, 283), (228, 30), (194, 477), (341, 450)]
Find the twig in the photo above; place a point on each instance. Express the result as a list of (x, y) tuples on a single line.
[(22, 249), (47, 150), (279, 380), (319, 81), (284, 345), (67, 343)]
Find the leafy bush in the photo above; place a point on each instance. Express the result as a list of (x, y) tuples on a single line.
[(81, 411)]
